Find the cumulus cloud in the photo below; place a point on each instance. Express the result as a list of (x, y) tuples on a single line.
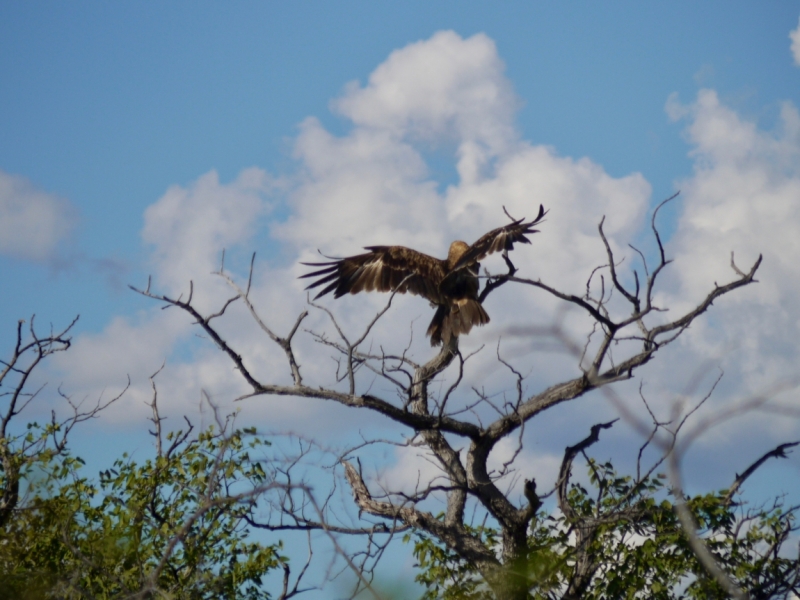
[(98, 365), (32, 222), (794, 35), (372, 185), (188, 227), (743, 197), (186, 230), (438, 89), (359, 189)]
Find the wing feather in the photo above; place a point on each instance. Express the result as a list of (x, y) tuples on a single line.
[(382, 269), (500, 240)]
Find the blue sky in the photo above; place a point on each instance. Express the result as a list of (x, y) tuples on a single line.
[(138, 141), (106, 105)]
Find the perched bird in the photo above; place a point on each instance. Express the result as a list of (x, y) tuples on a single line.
[(451, 285)]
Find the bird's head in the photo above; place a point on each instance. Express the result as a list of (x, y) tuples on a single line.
[(457, 250)]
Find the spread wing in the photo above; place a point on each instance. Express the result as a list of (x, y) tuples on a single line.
[(382, 269), (501, 239)]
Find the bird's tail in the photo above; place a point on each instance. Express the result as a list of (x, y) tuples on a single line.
[(456, 319)]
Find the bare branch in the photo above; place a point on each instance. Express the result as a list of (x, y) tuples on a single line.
[(284, 343), (562, 484), (633, 299), (204, 322), (779, 452)]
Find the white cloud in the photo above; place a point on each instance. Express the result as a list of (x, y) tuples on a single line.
[(743, 197), (32, 222), (444, 88), (794, 35), (577, 193), (413, 471), (372, 186), (98, 365), (188, 228), (360, 189)]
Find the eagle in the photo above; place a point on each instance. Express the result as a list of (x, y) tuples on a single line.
[(451, 285)]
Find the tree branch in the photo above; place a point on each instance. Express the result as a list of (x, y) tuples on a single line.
[(779, 452)]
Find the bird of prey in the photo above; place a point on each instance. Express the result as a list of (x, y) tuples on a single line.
[(451, 285)]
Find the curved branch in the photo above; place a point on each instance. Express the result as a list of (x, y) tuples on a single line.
[(565, 471), (779, 452)]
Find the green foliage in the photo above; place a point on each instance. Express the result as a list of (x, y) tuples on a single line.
[(442, 572), (172, 527), (637, 548)]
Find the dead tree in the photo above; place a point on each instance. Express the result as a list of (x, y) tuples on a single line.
[(429, 421)]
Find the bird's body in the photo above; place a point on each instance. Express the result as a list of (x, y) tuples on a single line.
[(451, 285)]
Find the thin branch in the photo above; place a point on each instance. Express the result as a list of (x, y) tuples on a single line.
[(779, 452)]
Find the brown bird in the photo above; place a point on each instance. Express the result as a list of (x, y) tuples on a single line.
[(451, 285)]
